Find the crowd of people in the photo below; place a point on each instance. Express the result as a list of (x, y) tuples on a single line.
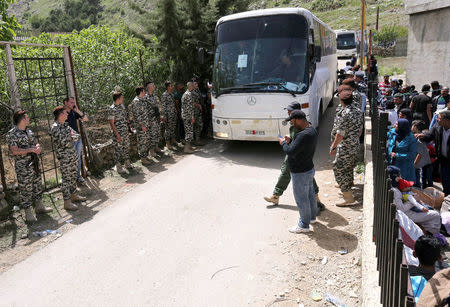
[(418, 137), (418, 152), (179, 120)]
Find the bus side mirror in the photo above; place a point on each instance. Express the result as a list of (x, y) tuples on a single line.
[(201, 55), (317, 53)]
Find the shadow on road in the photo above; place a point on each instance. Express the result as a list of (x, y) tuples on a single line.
[(269, 154), (258, 154)]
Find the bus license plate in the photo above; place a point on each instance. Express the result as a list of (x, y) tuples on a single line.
[(255, 132)]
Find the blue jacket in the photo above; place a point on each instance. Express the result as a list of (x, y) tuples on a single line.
[(406, 152)]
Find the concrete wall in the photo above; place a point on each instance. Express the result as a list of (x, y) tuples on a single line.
[(428, 42), (418, 6)]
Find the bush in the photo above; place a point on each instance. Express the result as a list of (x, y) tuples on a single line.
[(102, 59), (389, 34), (327, 5), (391, 70)]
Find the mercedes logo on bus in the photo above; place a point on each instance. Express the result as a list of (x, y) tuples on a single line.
[(251, 100)]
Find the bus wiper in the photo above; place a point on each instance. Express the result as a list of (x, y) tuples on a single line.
[(272, 83), (234, 88)]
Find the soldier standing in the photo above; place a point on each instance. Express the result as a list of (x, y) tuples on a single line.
[(25, 149), (345, 145), (118, 120), (198, 108), (154, 118), (169, 113), (187, 114), (177, 95), (63, 138), (141, 124)]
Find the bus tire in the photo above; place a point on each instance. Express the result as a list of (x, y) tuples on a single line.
[(320, 115)]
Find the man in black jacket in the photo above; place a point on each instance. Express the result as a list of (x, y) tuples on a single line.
[(440, 134), (300, 154)]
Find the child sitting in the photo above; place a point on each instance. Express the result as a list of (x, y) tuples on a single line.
[(429, 219)]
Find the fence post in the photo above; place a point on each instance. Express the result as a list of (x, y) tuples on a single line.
[(2, 173), (142, 67), (410, 302), (15, 97), (403, 287), (397, 261)]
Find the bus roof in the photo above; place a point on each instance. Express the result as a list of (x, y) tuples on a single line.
[(278, 11), (344, 31)]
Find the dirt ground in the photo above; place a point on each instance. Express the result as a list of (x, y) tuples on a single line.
[(17, 240), (392, 62)]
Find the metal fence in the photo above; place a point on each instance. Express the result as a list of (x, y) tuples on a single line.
[(391, 264), (43, 80)]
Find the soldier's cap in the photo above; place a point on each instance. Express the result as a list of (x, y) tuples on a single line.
[(296, 114), (359, 74), (398, 95), (294, 106)]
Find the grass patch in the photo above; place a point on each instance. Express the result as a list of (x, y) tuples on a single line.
[(360, 168), (391, 70), (51, 183)]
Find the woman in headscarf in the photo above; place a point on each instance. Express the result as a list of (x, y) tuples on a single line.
[(402, 149)]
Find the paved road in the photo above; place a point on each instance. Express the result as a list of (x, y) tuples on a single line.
[(197, 234)]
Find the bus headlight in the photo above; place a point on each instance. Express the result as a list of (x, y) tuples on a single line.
[(218, 122), (284, 123), (225, 122), (222, 135)]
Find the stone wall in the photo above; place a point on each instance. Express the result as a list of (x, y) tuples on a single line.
[(105, 152)]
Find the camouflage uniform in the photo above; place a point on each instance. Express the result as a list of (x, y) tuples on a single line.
[(63, 138), (349, 126), (357, 99), (337, 120), (155, 117), (198, 126), (187, 113), (26, 166), (140, 117), (119, 114), (169, 111)]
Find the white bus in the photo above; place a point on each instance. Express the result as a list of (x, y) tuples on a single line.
[(265, 60), (346, 43)]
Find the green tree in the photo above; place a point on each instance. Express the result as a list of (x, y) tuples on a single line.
[(8, 24), (102, 59), (75, 15), (182, 27), (169, 24)]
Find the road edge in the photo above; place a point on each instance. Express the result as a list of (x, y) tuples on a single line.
[(370, 289)]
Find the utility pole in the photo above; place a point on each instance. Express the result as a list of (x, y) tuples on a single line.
[(363, 26), (378, 16)]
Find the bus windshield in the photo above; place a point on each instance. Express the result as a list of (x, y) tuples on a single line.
[(267, 53), (346, 41)]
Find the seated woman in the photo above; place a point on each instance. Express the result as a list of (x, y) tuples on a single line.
[(402, 149), (404, 200)]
